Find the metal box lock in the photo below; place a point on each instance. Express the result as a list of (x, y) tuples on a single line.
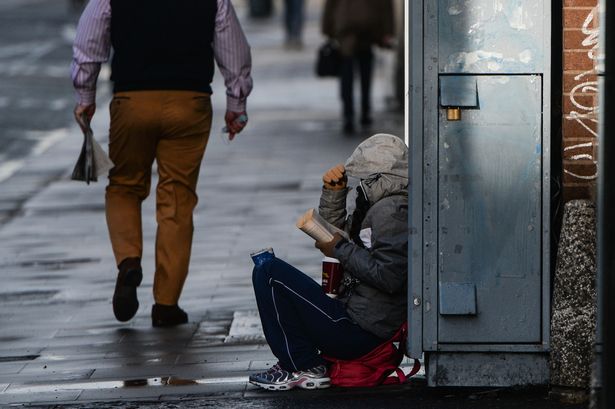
[(457, 93), (453, 114)]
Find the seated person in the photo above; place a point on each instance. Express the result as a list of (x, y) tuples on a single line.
[(299, 320)]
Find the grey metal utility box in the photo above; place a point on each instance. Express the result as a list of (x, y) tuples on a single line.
[(479, 108)]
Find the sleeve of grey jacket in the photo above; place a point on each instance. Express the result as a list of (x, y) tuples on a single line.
[(385, 265), (332, 206)]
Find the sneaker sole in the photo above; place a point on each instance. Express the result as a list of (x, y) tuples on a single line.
[(303, 383), (271, 387), (310, 383)]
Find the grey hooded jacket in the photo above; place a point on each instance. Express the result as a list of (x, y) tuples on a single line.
[(375, 282)]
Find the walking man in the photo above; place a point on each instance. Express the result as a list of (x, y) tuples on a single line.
[(162, 67)]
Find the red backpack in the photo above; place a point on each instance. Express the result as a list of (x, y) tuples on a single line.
[(375, 367)]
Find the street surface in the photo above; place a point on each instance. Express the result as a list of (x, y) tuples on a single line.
[(60, 345), (35, 94)]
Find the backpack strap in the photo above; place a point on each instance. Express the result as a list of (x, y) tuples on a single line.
[(396, 380), (415, 368), (401, 377)]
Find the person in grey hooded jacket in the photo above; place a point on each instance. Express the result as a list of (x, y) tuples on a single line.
[(299, 320)]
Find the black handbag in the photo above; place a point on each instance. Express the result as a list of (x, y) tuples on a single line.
[(329, 60)]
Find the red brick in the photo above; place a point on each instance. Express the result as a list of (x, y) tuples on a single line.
[(575, 17), (577, 61), (575, 191), (575, 129), (580, 3), (573, 39)]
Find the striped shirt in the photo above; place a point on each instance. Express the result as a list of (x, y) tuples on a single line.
[(92, 47)]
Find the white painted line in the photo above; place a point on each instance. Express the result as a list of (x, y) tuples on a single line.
[(113, 384), (50, 139), (7, 169), (137, 383), (27, 103), (218, 381), (47, 140), (30, 49)]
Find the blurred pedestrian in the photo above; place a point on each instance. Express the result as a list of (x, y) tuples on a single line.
[(357, 25), (293, 21), (301, 323), (162, 67)]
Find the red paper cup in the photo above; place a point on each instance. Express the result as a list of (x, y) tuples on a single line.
[(332, 273)]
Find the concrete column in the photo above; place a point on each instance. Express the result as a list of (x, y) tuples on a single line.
[(573, 321)]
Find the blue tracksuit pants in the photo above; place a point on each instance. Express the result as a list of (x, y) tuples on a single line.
[(300, 320)]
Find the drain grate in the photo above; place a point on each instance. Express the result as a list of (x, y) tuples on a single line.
[(18, 358)]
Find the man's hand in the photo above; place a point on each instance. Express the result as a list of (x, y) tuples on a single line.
[(235, 122), (335, 178), (328, 249), (84, 113)]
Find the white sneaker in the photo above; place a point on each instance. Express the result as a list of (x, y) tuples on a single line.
[(278, 379)]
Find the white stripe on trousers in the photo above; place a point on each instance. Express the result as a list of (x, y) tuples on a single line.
[(307, 301)]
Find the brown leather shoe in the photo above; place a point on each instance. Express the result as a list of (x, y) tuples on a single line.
[(168, 315), (125, 302)]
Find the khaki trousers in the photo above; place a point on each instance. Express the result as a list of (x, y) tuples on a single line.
[(171, 127)]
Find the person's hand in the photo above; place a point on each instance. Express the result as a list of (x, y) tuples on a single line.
[(335, 178), (328, 248), (84, 114), (235, 122)]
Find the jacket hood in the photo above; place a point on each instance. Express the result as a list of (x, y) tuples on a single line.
[(381, 153), (381, 163), (382, 185)]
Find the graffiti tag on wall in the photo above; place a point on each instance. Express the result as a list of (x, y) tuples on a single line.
[(585, 85)]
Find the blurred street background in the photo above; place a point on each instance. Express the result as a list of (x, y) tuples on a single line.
[(59, 341)]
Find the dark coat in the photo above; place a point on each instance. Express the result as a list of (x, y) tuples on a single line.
[(376, 276), (357, 24)]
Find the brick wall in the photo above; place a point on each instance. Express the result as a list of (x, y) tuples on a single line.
[(580, 89)]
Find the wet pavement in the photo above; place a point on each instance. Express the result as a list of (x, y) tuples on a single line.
[(59, 341), (60, 345), (390, 397), (35, 91)]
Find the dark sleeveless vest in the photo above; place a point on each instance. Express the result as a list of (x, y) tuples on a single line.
[(162, 44)]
